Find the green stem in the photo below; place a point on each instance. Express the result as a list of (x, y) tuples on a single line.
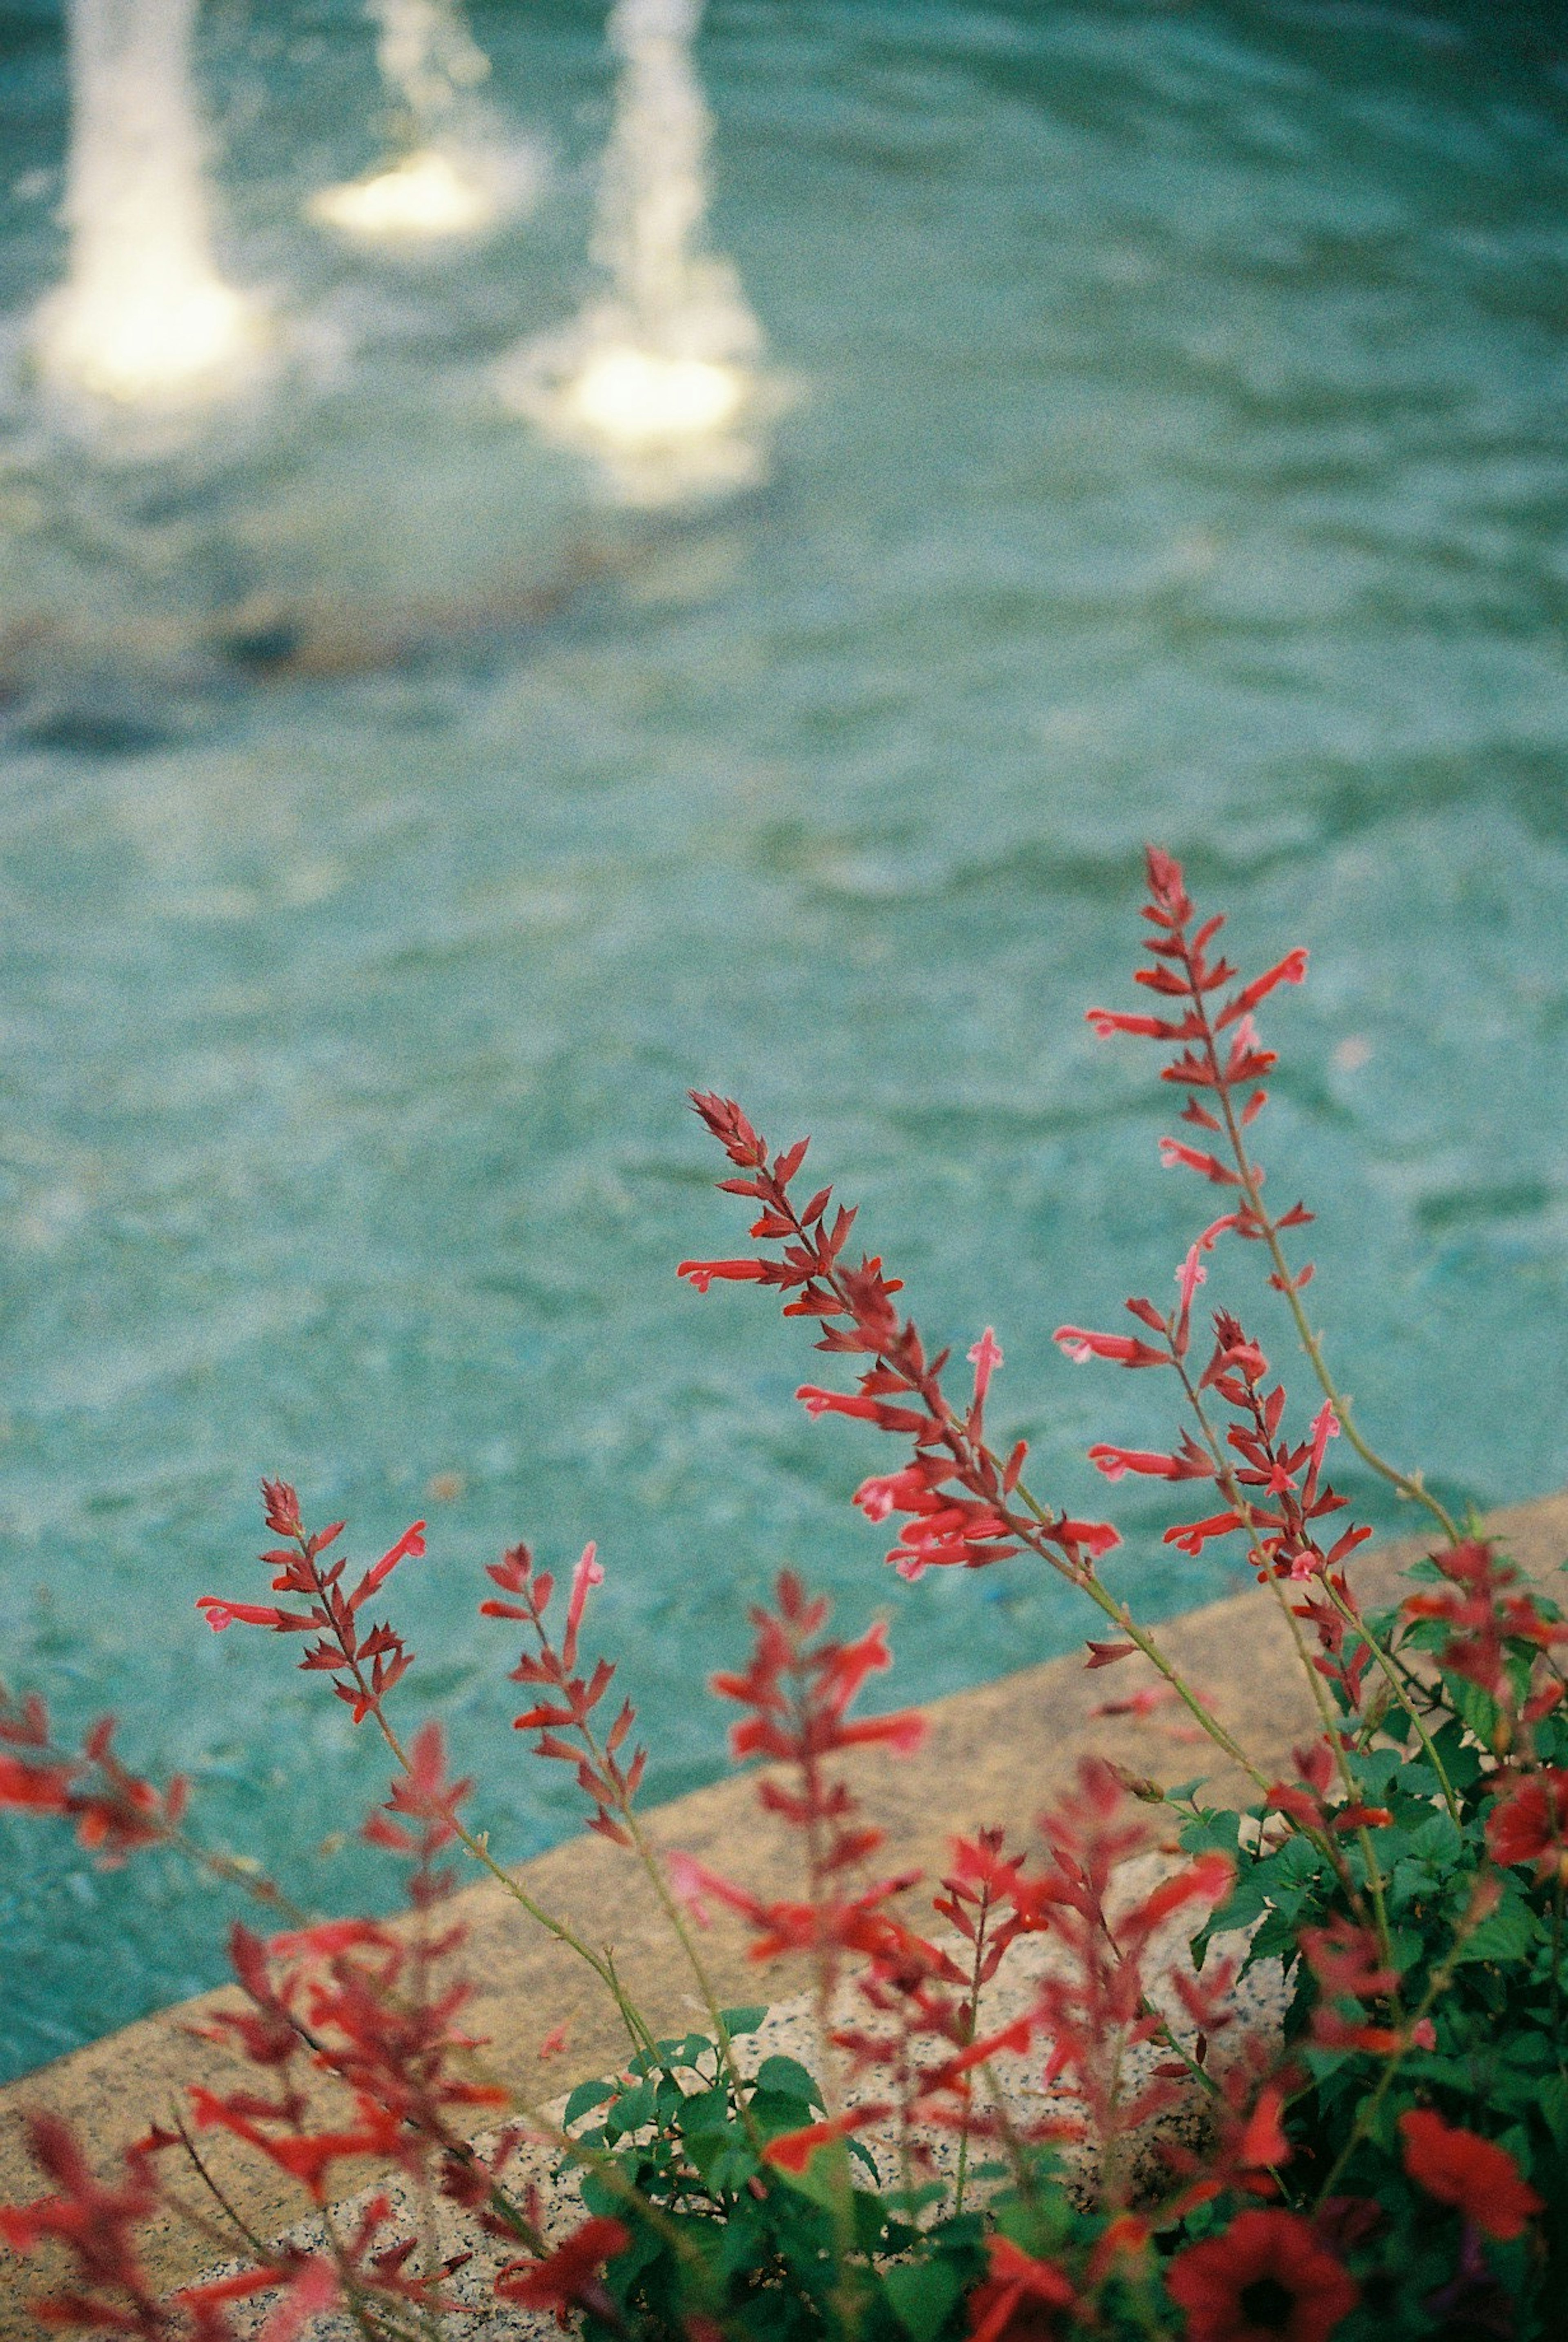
[(974, 2027), (678, 1922), (1122, 1617), (257, 2245), (636, 2028), (1407, 1483), (1391, 1677), (1437, 1984), (1241, 1506)]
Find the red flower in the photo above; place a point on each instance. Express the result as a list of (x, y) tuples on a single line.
[(794, 2149), (1476, 2176), (361, 1666), (1266, 2279), (1530, 1822), (570, 2276), (956, 1492), (1019, 2301), (94, 2222)]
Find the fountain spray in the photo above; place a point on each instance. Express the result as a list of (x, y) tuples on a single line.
[(657, 376), (144, 317), (446, 182)]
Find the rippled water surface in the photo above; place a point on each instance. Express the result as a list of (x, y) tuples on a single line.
[(1176, 448)]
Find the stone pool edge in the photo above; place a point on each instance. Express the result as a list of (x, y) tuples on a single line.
[(993, 1754)]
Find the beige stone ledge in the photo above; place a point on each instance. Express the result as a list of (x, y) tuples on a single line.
[(993, 1755)]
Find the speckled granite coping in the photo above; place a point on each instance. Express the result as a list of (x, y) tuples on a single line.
[(993, 1754)]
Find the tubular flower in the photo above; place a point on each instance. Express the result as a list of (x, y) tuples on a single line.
[(94, 2222), (1266, 2279), (114, 1812), (566, 1702), (1093, 2003), (363, 1667), (1021, 2300), (1204, 1064), (571, 2276), (1485, 1614), (955, 1494), (1280, 1483), (792, 2150)]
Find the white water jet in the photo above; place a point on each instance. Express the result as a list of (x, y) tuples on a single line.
[(144, 317), (658, 377), (448, 182)]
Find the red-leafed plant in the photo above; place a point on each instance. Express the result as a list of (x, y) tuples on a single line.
[(1048, 2115)]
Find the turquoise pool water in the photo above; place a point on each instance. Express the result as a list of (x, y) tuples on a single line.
[(1177, 449)]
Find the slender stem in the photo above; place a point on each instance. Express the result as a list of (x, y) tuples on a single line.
[(1391, 1677), (236, 1872), (233, 1869), (678, 1922), (1169, 2039), (637, 2029), (1336, 1739), (1241, 1505), (973, 2013), (1007, 2130), (1437, 1984), (257, 2245), (373, 2324), (1408, 1483), (1121, 1617), (981, 1469), (654, 1870)]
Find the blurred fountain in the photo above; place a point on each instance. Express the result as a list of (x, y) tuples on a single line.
[(658, 377), (450, 180), (144, 317)]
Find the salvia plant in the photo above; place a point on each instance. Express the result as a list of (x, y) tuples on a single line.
[(1388, 2159)]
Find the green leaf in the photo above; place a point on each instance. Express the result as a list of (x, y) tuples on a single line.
[(723, 2159), (707, 2110), (1507, 1934), (817, 2182), (774, 2112), (791, 2079), (586, 2095), (1474, 1708), (915, 2199), (739, 2021), (1246, 1902), (924, 2295), (1553, 2100), (634, 2107)]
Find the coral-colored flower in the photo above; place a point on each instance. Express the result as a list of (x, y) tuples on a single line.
[(1021, 2299), (567, 1701), (114, 1812), (569, 2278), (589, 1573), (94, 2221), (794, 2149), (1266, 2279), (1530, 1822), (1474, 2175), (363, 1667), (956, 1493), (1487, 1614), (985, 1357)]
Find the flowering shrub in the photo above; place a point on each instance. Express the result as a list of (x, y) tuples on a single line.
[(1391, 2161)]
